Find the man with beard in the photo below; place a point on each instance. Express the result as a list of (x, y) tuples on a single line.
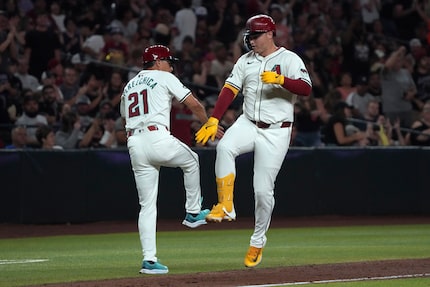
[(49, 106), (31, 119)]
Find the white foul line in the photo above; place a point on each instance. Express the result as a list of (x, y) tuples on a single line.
[(22, 261), (344, 280)]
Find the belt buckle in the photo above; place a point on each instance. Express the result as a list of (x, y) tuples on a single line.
[(262, 125), (152, 128)]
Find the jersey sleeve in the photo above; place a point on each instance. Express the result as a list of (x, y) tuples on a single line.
[(236, 76), (297, 70), (177, 88)]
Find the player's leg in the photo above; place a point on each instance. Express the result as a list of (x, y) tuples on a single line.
[(146, 176), (270, 150), (238, 139), (180, 155), (147, 187)]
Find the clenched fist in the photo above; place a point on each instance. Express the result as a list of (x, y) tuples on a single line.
[(269, 77), (207, 131)]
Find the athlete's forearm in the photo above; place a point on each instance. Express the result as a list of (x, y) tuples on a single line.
[(226, 96), (298, 86), (196, 108)]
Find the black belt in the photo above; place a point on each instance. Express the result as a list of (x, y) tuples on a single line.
[(263, 125)]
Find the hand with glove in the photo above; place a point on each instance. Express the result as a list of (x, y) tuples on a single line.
[(208, 130), (269, 77)]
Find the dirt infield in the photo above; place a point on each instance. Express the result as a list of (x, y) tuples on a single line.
[(259, 275)]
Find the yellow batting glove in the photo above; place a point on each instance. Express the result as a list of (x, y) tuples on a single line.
[(208, 130), (269, 77)]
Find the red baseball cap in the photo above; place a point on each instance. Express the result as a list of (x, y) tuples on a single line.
[(157, 52)]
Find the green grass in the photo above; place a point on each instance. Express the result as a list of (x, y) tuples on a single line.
[(108, 256)]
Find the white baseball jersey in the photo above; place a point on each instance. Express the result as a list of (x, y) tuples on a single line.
[(145, 102), (268, 103), (262, 102)]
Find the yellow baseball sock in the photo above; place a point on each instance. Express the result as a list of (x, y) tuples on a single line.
[(225, 187)]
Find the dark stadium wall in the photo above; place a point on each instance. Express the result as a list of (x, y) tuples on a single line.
[(98, 185)]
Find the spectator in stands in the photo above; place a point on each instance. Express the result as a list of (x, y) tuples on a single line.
[(93, 135), (57, 16), (387, 134), (115, 49), (135, 62), (28, 81), (222, 27), (372, 111), (70, 39), (108, 138), (19, 138), (83, 110), (405, 16), (308, 123), (398, 89), (10, 88), (221, 65), (8, 33), (31, 119), (420, 134), (367, 122), (70, 86), (282, 30), (55, 70), (41, 45), (360, 98), (421, 76), (202, 31), (70, 131), (125, 20), (345, 86), (113, 88), (142, 37), (94, 40), (46, 138), (106, 108), (370, 12), (50, 104), (374, 85), (120, 133), (185, 24), (207, 83), (189, 56), (339, 132), (92, 87)]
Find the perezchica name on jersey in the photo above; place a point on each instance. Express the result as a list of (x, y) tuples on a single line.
[(150, 82)]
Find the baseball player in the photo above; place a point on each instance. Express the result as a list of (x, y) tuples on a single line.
[(145, 104), (270, 79)]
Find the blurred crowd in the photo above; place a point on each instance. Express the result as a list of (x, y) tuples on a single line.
[(63, 64)]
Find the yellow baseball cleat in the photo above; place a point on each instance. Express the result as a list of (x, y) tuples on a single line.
[(253, 256), (220, 213)]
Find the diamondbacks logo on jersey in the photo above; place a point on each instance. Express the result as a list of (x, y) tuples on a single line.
[(277, 69)]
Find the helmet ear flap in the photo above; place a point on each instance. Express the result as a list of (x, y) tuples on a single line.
[(247, 42)]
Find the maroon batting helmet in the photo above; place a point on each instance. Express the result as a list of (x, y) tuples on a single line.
[(256, 25), (157, 52), (260, 24)]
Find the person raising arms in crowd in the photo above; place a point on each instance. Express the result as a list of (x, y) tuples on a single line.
[(270, 79)]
